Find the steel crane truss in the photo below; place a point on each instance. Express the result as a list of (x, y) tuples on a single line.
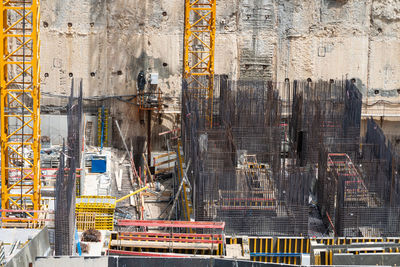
[(20, 107), (199, 46)]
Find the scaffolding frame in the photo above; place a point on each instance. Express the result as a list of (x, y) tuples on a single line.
[(20, 105)]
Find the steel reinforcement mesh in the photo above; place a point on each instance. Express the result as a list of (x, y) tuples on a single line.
[(360, 191), (270, 142), (66, 178), (239, 167), (254, 168), (324, 114)]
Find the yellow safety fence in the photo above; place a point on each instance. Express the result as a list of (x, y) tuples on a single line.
[(96, 212)]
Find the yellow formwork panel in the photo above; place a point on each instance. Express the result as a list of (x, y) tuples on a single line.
[(289, 249), (278, 249), (326, 257), (95, 212), (393, 239), (349, 240)]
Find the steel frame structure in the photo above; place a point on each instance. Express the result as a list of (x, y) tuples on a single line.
[(20, 107), (199, 48)]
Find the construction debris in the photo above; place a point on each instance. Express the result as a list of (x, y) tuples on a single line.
[(84, 248), (91, 235)]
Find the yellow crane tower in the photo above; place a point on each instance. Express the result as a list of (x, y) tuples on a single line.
[(199, 47), (20, 109)]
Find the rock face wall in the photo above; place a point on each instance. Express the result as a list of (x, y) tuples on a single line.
[(107, 43)]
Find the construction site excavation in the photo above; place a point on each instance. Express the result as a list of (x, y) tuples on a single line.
[(241, 133)]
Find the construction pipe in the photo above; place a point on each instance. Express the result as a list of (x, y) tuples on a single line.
[(131, 194)]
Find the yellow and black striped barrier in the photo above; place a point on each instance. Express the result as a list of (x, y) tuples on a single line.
[(278, 250), (287, 250), (290, 250), (324, 249), (325, 258), (350, 240)]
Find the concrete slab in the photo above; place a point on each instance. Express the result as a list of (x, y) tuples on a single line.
[(34, 243), (9, 237)]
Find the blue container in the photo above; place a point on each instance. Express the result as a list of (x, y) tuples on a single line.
[(99, 165)]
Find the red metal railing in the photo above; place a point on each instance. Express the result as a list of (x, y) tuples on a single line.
[(173, 224)]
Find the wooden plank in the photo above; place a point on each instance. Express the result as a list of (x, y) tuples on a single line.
[(148, 172), (164, 155), (132, 200), (121, 172), (30, 211), (118, 179), (162, 245), (15, 225), (24, 219), (123, 158), (164, 162), (131, 174), (164, 170), (166, 194), (171, 131)]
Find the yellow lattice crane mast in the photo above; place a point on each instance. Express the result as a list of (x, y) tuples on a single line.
[(20, 109), (199, 47)]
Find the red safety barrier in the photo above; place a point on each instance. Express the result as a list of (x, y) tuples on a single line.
[(173, 224), (127, 234), (167, 239)]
